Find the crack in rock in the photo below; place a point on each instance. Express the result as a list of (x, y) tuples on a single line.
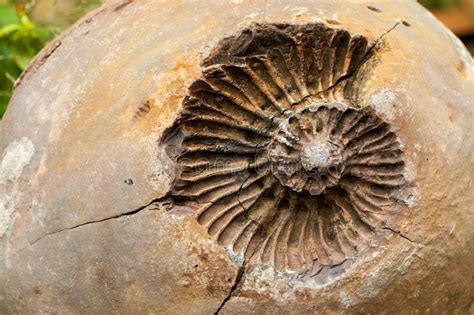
[(399, 233), (241, 270), (238, 279), (128, 213), (366, 57)]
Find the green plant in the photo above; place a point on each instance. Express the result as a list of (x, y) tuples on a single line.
[(440, 4), (20, 41)]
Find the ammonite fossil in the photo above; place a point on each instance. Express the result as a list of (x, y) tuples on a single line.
[(273, 155), (241, 157)]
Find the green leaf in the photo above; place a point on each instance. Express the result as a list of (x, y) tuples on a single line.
[(9, 29), (22, 61), (4, 98), (21, 39), (8, 15), (44, 34)]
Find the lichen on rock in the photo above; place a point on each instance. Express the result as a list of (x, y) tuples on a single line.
[(17, 155)]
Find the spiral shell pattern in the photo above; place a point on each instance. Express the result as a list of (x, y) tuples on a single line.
[(273, 155)]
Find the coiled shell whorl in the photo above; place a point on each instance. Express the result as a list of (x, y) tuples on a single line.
[(273, 155)]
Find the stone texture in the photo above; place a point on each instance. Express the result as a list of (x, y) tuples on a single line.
[(85, 222)]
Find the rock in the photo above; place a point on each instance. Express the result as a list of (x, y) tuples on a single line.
[(241, 157)]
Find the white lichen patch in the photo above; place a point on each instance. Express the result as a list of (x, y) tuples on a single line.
[(405, 266), (5, 216), (236, 258), (384, 103), (282, 285), (346, 300), (17, 155), (264, 280), (160, 167), (410, 197)]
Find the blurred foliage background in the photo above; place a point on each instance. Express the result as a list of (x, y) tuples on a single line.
[(26, 26), (439, 4)]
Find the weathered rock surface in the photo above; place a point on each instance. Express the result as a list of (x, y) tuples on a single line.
[(107, 199)]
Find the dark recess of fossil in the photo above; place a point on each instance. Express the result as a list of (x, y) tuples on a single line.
[(274, 156)]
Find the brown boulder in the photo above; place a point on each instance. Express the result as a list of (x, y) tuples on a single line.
[(241, 157)]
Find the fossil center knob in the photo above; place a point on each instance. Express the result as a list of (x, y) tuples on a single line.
[(305, 155), (320, 154)]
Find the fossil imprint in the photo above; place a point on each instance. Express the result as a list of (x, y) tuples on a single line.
[(274, 155)]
